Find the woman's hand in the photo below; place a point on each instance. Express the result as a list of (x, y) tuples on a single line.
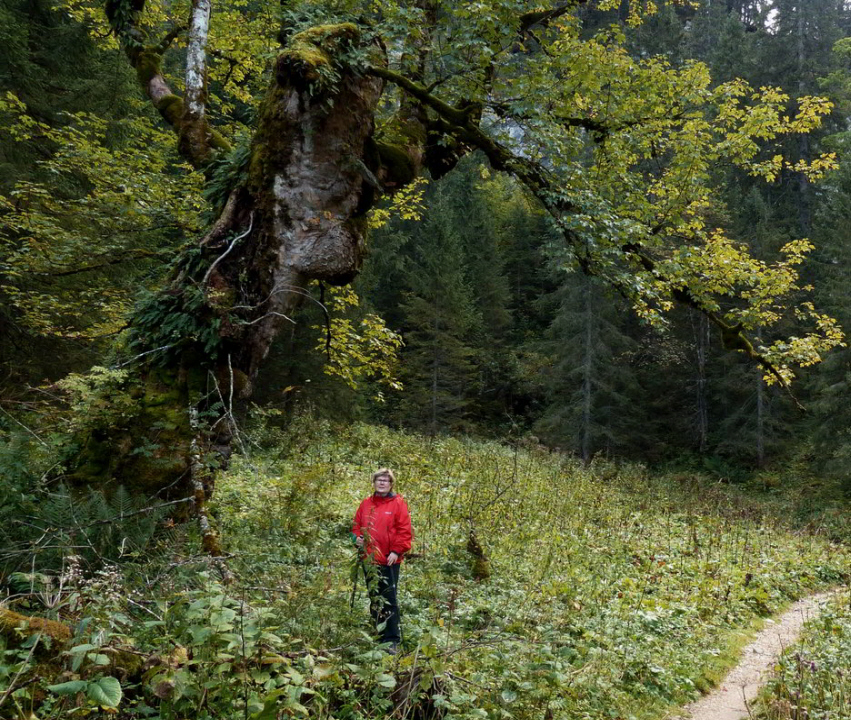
[(392, 558)]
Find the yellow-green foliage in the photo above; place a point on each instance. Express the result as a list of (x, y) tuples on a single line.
[(650, 233), (74, 261), (407, 204), (358, 350), (98, 398)]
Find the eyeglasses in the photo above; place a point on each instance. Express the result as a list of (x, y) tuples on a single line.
[(382, 480)]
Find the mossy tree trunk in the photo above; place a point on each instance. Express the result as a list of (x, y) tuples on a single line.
[(313, 172)]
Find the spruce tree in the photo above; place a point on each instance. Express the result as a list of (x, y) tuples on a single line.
[(589, 384), (440, 318)]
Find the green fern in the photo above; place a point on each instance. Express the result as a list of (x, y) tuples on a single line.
[(225, 174), (95, 525)]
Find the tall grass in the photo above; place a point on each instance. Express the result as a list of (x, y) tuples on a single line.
[(612, 593)]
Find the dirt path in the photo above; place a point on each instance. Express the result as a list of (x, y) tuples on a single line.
[(731, 699)]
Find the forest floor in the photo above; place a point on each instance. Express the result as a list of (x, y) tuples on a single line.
[(733, 699), (607, 591)]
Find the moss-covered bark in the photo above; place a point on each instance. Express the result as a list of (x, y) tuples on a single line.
[(299, 217), (145, 445), (12, 624)]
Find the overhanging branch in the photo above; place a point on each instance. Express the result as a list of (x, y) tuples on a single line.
[(458, 123), (530, 20)]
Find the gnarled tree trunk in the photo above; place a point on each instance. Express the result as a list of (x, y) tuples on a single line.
[(300, 217)]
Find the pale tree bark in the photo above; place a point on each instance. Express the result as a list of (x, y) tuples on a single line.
[(196, 58), (193, 123)]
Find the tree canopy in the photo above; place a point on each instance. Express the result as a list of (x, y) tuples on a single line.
[(294, 121)]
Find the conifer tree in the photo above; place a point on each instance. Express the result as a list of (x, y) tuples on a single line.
[(589, 386), (440, 320), (477, 199), (828, 424), (53, 68)]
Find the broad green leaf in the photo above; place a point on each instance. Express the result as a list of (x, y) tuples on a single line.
[(385, 680), (68, 688), (82, 648), (105, 691)]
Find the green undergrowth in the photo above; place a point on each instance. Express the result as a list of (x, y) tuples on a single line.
[(796, 489), (813, 679), (612, 593)]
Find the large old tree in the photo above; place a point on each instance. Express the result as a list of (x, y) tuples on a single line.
[(363, 97)]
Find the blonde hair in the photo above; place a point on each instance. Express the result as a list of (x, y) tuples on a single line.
[(384, 472)]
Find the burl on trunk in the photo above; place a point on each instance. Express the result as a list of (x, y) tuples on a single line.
[(312, 176)]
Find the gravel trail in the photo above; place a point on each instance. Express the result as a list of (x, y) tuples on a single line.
[(731, 699)]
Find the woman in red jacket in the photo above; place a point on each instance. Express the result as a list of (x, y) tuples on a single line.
[(382, 528)]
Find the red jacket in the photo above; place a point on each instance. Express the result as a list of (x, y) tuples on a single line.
[(387, 523)]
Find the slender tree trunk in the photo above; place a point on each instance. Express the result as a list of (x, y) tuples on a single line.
[(587, 376), (434, 376), (701, 384), (760, 413), (804, 214), (193, 125)]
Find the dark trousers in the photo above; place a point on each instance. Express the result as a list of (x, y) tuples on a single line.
[(382, 581)]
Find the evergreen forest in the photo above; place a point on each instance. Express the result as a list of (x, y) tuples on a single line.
[(572, 269)]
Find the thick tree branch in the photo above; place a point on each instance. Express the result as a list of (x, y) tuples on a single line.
[(458, 123), (732, 336)]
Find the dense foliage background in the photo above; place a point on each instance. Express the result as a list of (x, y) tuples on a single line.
[(640, 495), (503, 335)]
